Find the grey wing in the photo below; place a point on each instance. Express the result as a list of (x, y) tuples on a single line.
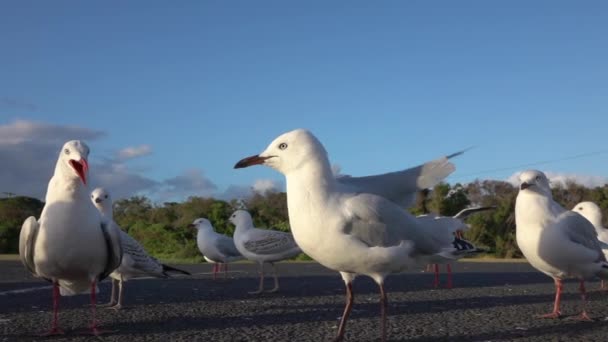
[(377, 222), (400, 187), (464, 213), (111, 236), (227, 247), (579, 230), (27, 241), (270, 242), (142, 261)]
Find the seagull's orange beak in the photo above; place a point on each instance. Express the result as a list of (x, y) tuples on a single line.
[(249, 161), (81, 167)]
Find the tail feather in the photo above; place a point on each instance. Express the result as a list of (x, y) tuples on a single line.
[(167, 268)]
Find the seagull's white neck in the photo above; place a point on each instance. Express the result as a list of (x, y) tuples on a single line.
[(529, 206), (106, 211), (65, 188), (315, 178)]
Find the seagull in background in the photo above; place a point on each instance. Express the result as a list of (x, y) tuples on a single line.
[(70, 246), (593, 214), (558, 242), (216, 248), (136, 262), (262, 245)]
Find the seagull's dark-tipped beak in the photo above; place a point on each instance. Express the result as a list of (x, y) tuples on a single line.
[(82, 168), (524, 186), (191, 226), (249, 161), (98, 200)]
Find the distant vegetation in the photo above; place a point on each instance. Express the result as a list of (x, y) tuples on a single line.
[(162, 228)]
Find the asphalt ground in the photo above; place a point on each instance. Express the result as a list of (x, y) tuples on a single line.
[(489, 302)]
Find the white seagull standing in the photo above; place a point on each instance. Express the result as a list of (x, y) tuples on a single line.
[(262, 245), (355, 225), (136, 262), (593, 214), (70, 245), (558, 242), (216, 248)]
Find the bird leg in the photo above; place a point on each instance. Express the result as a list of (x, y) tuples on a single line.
[(276, 279), (215, 266), (583, 316), (450, 284), (436, 281), (225, 270), (112, 301), (94, 328), (55, 330), (383, 308), (349, 305), (558, 298), (603, 285), (118, 305), (261, 287)]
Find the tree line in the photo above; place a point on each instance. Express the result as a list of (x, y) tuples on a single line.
[(162, 228)]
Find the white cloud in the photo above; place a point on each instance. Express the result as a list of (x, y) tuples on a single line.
[(191, 182), (262, 186), (555, 178), (22, 131), (134, 152)]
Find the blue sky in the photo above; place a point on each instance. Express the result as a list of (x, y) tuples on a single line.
[(384, 85)]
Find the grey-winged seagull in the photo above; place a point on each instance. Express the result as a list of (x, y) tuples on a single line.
[(262, 245), (70, 245), (355, 225), (593, 214), (216, 248), (136, 262), (558, 242)]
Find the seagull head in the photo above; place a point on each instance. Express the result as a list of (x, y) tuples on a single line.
[(535, 181), (73, 160), (288, 152), (241, 218), (590, 211), (201, 223), (101, 197)]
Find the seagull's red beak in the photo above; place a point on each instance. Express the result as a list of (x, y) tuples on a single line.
[(81, 167), (249, 161)]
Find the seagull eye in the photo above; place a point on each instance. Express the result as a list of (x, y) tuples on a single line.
[(66, 151), (282, 146), (537, 178), (106, 196), (580, 208)]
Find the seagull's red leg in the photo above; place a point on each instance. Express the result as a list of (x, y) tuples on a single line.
[(558, 299), (383, 308), (215, 271), (55, 327), (349, 305), (583, 316), (449, 285), (94, 327), (436, 281), (225, 270)]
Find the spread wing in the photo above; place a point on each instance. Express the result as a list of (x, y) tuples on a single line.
[(27, 240), (400, 187), (464, 213), (111, 236)]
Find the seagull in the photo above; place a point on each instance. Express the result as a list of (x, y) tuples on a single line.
[(558, 242), (70, 245), (593, 214), (262, 245), (355, 225), (216, 248), (136, 262), (458, 227)]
